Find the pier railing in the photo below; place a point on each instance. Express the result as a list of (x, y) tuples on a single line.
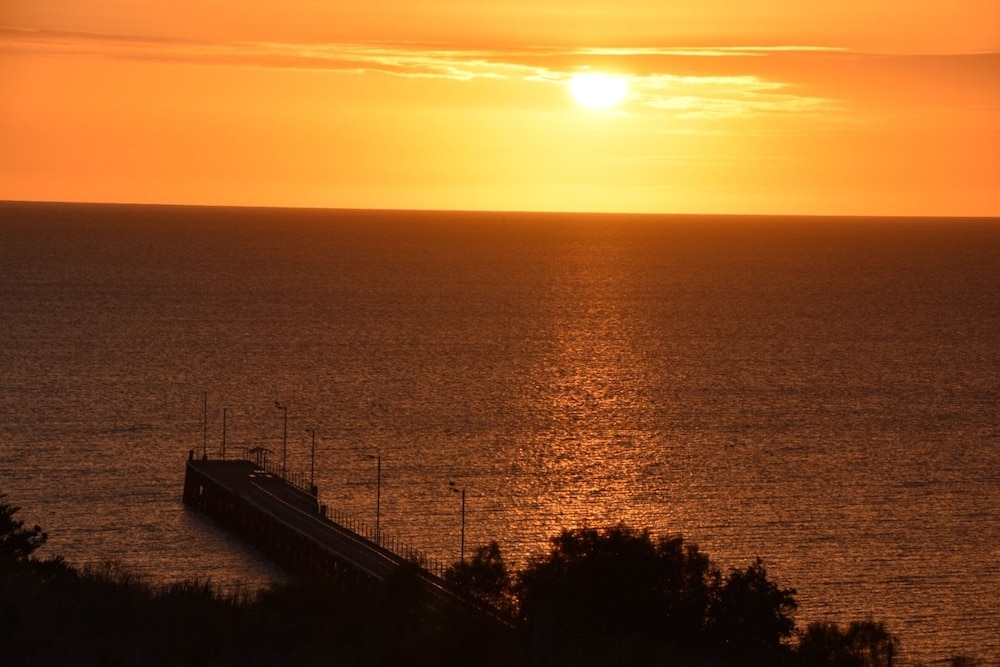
[(380, 538), (259, 457), (387, 541)]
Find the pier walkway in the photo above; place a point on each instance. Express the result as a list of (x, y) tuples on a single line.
[(287, 522)]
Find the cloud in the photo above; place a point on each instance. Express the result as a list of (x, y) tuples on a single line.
[(723, 96), (719, 89), (396, 59), (711, 51)]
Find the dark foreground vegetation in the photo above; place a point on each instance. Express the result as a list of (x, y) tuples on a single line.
[(615, 596)]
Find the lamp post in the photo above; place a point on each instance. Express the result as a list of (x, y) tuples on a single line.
[(455, 489), (378, 495), (312, 465), (204, 444), (284, 439)]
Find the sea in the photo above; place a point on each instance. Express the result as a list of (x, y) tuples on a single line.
[(822, 393)]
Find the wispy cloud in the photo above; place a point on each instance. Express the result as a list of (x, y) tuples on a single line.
[(723, 96), (710, 51), (653, 71), (397, 59)]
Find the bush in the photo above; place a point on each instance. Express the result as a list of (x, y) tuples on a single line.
[(485, 579), (614, 596), (750, 618), (863, 644), (618, 594), (16, 542)]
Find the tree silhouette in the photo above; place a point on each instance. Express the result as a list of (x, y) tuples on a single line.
[(863, 644), (620, 596), (484, 577), (751, 617), (613, 592), (614, 596), (17, 543)]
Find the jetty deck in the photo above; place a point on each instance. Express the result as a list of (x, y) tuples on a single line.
[(283, 517), (288, 523)]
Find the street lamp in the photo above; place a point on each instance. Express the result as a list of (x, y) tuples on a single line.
[(204, 445), (284, 439), (312, 466), (455, 489), (224, 411), (378, 495)]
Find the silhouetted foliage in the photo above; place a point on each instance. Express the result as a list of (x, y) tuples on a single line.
[(620, 594), (863, 644), (616, 596), (485, 578), (750, 618), (16, 542), (106, 614)]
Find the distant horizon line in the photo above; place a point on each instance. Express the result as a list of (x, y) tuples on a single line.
[(516, 212)]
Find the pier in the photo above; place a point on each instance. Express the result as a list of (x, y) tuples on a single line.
[(283, 517)]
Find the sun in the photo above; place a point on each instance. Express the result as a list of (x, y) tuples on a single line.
[(598, 91)]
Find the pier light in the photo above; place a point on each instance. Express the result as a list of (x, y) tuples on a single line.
[(378, 494), (284, 440), (204, 446), (455, 489), (312, 465)]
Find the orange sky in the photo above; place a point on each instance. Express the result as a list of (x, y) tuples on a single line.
[(777, 106)]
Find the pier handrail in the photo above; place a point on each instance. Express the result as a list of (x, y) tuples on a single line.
[(295, 518), (380, 538), (357, 544), (388, 541), (300, 519)]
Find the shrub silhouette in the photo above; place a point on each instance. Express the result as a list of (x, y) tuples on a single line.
[(863, 644), (614, 596), (17, 543), (619, 595), (750, 618), (484, 578)]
